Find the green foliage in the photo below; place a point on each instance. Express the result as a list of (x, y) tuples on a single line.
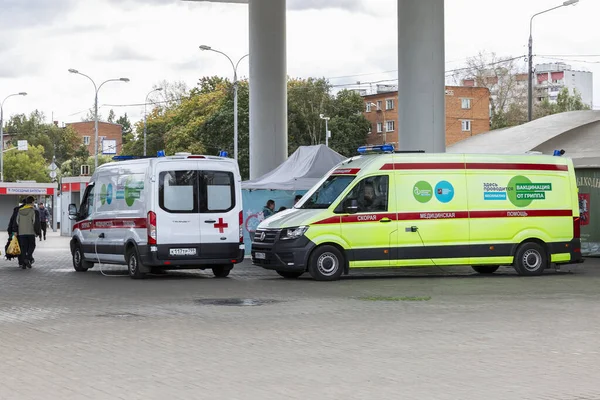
[(564, 102), (111, 116), (26, 165), (202, 120)]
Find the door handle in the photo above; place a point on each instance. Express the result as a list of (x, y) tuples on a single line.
[(210, 221), (385, 220), (411, 229), (101, 236)]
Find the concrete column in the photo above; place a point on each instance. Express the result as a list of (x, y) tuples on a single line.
[(268, 86), (421, 86)]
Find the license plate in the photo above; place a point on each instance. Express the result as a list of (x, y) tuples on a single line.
[(260, 256), (182, 252)]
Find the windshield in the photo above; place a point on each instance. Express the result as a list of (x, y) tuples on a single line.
[(327, 193)]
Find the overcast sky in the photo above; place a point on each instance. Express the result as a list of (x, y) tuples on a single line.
[(344, 40)]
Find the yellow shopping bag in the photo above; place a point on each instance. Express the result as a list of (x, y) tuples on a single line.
[(13, 248)]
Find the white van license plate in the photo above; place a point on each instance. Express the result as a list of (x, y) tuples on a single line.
[(260, 256), (182, 252)]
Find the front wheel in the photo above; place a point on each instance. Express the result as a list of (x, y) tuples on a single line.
[(486, 269), (290, 275), (134, 265), (79, 263), (531, 259), (222, 271), (326, 263)]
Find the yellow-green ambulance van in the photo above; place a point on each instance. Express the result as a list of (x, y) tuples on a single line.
[(415, 209)]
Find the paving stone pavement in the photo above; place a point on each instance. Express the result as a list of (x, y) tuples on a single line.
[(449, 334)]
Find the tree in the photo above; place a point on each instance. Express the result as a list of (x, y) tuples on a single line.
[(59, 143), (111, 116), (90, 116), (26, 165), (504, 80), (564, 102), (126, 129), (348, 125)]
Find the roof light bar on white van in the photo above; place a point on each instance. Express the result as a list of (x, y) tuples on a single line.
[(381, 148)]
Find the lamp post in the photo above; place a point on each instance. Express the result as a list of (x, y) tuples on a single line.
[(2, 132), (97, 89), (235, 96), (530, 57), (145, 102), (326, 128)]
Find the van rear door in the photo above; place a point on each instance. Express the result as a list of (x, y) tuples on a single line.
[(178, 217), (219, 221)]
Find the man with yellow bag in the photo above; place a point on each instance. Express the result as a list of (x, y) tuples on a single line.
[(27, 221), (12, 236)]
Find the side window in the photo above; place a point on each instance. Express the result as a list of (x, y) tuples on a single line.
[(88, 203), (220, 191), (371, 193), (178, 191)]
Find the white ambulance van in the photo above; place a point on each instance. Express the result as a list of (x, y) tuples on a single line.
[(177, 212)]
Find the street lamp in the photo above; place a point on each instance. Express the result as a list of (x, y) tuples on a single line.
[(2, 132), (530, 57), (235, 96), (145, 102), (322, 116), (97, 89)]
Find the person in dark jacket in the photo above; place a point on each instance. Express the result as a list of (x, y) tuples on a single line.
[(44, 218), (269, 209), (12, 230), (26, 222)]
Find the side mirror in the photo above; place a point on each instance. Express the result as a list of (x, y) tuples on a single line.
[(72, 209), (351, 206)]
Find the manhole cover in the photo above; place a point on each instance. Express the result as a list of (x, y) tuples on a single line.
[(235, 302)]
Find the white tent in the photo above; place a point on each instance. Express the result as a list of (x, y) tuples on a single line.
[(301, 171)]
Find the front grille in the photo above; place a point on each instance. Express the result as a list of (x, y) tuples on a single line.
[(269, 236)]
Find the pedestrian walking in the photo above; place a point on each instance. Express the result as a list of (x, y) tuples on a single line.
[(12, 231), (28, 223), (44, 218)]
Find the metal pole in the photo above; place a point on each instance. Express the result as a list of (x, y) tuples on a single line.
[(235, 117), (96, 130), (326, 133), (530, 73), (145, 126)]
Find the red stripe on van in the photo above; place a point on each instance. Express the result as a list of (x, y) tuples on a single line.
[(346, 171), (425, 215), (126, 223), (477, 166)]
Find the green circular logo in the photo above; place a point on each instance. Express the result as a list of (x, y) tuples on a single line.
[(516, 196), (422, 191), (103, 194)]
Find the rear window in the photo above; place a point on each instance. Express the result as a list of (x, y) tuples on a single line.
[(178, 191), (196, 191), (220, 191)]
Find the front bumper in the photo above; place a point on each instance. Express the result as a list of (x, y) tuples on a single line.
[(283, 255), (207, 254)]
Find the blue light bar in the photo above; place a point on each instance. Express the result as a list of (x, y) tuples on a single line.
[(558, 153), (160, 153), (222, 153), (123, 158), (380, 148)]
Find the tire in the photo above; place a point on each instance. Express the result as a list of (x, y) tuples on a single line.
[(326, 263), (134, 264), (222, 271), (486, 269), (79, 263), (290, 275), (531, 259)]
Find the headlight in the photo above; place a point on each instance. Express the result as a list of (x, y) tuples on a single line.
[(293, 233)]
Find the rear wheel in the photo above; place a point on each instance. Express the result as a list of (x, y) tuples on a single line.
[(222, 271), (134, 265), (531, 259), (326, 263), (79, 262), (290, 275), (486, 269)]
